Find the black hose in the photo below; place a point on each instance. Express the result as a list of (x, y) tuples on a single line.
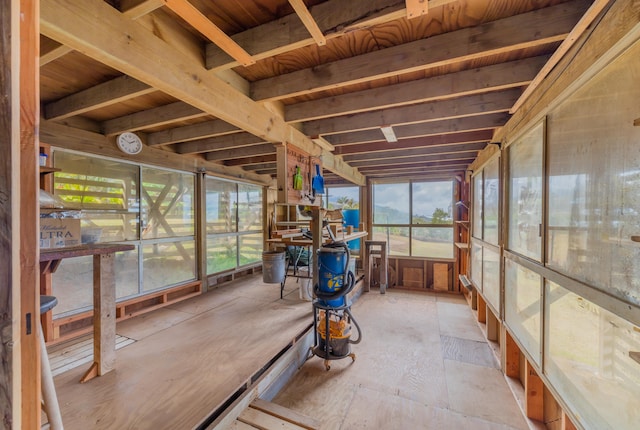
[(355, 323)]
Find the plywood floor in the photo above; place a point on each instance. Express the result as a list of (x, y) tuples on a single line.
[(423, 363), (187, 358)]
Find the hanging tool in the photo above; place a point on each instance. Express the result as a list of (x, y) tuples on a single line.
[(297, 179), (318, 182)]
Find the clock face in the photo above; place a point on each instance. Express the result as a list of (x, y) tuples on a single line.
[(129, 143)]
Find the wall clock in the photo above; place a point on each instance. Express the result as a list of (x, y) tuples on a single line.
[(129, 143)]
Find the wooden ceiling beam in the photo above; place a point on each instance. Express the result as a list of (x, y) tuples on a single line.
[(75, 139), (186, 133), (418, 142), (201, 23), (423, 129), (248, 151), (307, 20), (414, 159), (494, 102), (261, 166), (51, 50), (542, 26), (454, 164), (271, 158), (134, 9), (155, 117), (218, 143), (468, 82), (118, 43), (105, 94), (261, 41), (417, 152)]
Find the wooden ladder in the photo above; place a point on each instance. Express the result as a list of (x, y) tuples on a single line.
[(267, 416)]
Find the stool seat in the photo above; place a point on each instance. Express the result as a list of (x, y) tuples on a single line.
[(47, 303)]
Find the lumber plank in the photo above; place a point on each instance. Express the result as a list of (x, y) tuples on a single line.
[(195, 18), (140, 54), (494, 102), (534, 28), (265, 421), (286, 414), (105, 94), (162, 115), (489, 78), (25, 178), (239, 425)]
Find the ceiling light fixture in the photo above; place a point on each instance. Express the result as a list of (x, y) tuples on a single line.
[(389, 134)]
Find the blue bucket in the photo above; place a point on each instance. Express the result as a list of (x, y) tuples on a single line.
[(331, 269)]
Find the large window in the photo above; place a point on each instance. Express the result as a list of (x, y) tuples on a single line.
[(414, 218), (148, 207), (234, 224)]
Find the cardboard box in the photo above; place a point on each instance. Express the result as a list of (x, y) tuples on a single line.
[(59, 232)]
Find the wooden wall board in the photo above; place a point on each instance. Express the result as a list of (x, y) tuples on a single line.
[(30, 354), (290, 159), (413, 277), (441, 276)]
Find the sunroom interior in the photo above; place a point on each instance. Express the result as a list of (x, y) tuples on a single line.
[(160, 154)]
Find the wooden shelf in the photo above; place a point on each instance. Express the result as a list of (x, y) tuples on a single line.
[(45, 169)]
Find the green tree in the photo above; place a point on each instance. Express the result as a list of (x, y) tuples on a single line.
[(440, 216)]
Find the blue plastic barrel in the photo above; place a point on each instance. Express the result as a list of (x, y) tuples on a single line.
[(331, 270), (352, 218)]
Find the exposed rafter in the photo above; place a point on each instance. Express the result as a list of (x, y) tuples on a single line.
[(197, 20), (141, 55)]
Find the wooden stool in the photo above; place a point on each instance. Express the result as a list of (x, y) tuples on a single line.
[(49, 398), (375, 249)]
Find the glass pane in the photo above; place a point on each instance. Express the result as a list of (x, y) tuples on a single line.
[(595, 198), (477, 206), (476, 265), (72, 282), (391, 204), (167, 203), (221, 200), (222, 253), (433, 242), (432, 202), (491, 222), (525, 194), (587, 360), (343, 197), (396, 237), (105, 190), (491, 277), (522, 306), (250, 248), (249, 208), (168, 263)]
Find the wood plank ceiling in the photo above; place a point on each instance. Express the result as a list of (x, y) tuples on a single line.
[(223, 81)]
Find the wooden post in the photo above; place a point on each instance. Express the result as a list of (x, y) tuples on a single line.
[(9, 249), (512, 357), (493, 327), (29, 183), (104, 305), (482, 309), (534, 393)]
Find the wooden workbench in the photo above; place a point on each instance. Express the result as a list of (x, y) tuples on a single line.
[(104, 298)]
